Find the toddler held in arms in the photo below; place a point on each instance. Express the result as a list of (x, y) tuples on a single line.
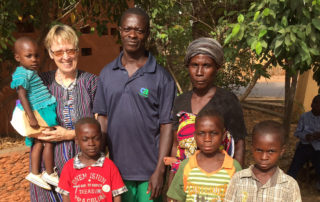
[(35, 111)]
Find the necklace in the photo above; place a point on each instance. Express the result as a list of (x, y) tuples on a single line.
[(66, 85)]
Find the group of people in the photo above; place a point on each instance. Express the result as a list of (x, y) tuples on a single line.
[(145, 127)]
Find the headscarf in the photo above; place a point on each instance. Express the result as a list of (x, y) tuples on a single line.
[(206, 46)]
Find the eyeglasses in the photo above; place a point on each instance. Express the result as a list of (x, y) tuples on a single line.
[(60, 53)]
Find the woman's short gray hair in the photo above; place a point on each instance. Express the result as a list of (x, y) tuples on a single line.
[(61, 34), (206, 46)]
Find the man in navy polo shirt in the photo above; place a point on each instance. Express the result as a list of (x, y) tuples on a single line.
[(134, 100)]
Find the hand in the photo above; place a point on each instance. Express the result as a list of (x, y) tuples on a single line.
[(316, 135), (309, 137), (313, 136), (168, 161), (155, 185), (57, 135), (34, 123)]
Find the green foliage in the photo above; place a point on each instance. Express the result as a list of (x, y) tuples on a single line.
[(174, 24), (7, 26), (170, 34), (287, 29)]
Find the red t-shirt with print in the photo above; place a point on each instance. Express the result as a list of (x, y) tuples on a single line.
[(92, 183)]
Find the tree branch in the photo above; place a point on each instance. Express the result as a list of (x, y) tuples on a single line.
[(69, 11), (196, 19), (254, 80)]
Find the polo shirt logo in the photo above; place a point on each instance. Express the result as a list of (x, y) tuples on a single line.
[(144, 92)]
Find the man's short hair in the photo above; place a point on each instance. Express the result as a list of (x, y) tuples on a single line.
[(317, 97), (137, 11), (269, 127), (87, 120)]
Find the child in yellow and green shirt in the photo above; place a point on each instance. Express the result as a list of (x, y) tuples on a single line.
[(206, 174)]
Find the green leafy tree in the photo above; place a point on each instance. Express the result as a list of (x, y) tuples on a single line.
[(175, 23), (283, 32)]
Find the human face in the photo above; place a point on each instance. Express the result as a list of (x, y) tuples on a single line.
[(67, 63), (209, 134), (202, 70), (27, 55), (88, 137), (266, 150), (134, 33)]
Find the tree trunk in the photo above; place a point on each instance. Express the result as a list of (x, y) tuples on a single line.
[(290, 91), (44, 28), (251, 85), (254, 80), (175, 80)]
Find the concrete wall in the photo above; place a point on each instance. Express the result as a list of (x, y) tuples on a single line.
[(307, 88), (104, 50)]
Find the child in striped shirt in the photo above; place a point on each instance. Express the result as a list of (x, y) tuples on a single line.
[(206, 174), (38, 111)]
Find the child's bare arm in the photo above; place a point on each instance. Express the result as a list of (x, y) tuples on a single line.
[(22, 94), (65, 198), (173, 154), (117, 198)]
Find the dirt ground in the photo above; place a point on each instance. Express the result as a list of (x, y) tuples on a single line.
[(14, 163)]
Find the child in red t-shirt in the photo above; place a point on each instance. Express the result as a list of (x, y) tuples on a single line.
[(90, 176)]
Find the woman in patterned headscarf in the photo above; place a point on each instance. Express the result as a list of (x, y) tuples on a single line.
[(203, 59)]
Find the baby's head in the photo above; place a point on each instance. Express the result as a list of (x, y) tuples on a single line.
[(209, 131), (268, 139), (315, 105), (26, 53), (88, 137)]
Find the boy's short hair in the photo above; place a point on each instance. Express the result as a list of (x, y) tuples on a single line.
[(210, 113), (87, 120), (269, 127), (62, 33)]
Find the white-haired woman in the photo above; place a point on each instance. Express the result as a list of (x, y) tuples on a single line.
[(74, 90)]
